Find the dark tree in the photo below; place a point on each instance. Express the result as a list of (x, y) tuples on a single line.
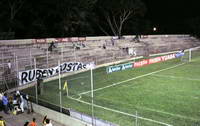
[(115, 14), (194, 26), (74, 16)]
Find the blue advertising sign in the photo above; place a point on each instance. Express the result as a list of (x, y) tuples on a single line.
[(120, 67), (177, 55)]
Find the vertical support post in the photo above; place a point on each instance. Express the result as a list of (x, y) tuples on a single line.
[(47, 53), (62, 52), (30, 57), (113, 56), (190, 55), (14, 64), (2, 58), (136, 119), (134, 54), (96, 60), (17, 69), (3, 62), (75, 53), (60, 86), (92, 95), (67, 91), (36, 85)]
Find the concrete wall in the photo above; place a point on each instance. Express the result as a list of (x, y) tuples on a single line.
[(48, 40), (58, 117)]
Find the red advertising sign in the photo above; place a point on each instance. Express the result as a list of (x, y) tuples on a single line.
[(74, 39), (153, 60), (82, 38), (140, 63), (168, 57), (40, 40), (61, 39)]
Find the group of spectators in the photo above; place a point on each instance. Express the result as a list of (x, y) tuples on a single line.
[(14, 103), (45, 122)]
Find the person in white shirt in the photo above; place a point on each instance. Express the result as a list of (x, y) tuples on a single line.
[(9, 65), (21, 101), (48, 122), (1, 96), (1, 103)]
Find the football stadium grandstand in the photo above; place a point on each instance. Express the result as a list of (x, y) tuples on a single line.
[(103, 81)]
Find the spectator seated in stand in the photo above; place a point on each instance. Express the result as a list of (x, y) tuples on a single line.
[(51, 47), (137, 38), (83, 45), (104, 46)]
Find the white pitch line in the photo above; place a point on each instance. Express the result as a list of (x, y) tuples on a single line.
[(158, 111), (131, 79), (124, 113), (175, 77), (167, 113)]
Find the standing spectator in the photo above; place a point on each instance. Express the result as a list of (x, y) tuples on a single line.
[(21, 101), (10, 103), (113, 42), (1, 102), (2, 122), (18, 103), (48, 122), (9, 67), (26, 123), (9, 64), (39, 87), (5, 103), (104, 46), (33, 123), (52, 45), (44, 119), (25, 97)]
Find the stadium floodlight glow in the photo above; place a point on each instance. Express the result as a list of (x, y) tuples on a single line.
[(154, 29)]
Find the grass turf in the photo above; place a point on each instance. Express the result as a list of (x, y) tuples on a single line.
[(170, 95)]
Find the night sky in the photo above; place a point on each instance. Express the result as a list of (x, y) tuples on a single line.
[(170, 15), (46, 18)]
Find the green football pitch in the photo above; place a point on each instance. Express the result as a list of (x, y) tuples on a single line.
[(166, 93)]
